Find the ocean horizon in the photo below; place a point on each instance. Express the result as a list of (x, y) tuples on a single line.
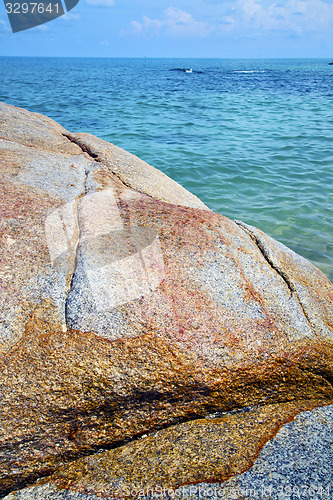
[(252, 138)]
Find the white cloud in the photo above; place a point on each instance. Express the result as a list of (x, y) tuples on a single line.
[(101, 3), (316, 15), (295, 16), (136, 28), (227, 24), (249, 18), (175, 22), (43, 28), (153, 26), (4, 28), (71, 16)]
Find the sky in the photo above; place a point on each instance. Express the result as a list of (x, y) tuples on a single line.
[(180, 28)]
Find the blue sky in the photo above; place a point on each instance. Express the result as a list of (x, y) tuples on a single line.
[(180, 28)]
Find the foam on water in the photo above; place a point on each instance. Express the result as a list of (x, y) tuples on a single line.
[(253, 139)]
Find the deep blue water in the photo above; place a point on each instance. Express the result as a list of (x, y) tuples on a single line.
[(252, 138)]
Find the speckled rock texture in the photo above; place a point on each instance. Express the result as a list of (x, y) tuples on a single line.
[(144, 340), (172, 462), (295, 464)]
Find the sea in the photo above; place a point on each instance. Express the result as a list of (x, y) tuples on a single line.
[(253, 139)]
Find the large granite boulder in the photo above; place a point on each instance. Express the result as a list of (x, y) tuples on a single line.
[(145, 341)]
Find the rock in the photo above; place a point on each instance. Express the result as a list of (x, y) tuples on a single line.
[(128, 308), (19, 126), (296, 463), (212, 449)]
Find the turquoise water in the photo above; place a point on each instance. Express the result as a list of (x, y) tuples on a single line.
[(252, 138)]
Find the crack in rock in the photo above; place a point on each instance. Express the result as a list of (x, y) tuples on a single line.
[(94, 156), (76, 256), (276, 268), (84, 148)]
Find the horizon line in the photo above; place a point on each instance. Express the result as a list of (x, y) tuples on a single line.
[(167, 57)]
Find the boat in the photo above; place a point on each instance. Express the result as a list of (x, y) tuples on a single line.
[(185, 70)]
